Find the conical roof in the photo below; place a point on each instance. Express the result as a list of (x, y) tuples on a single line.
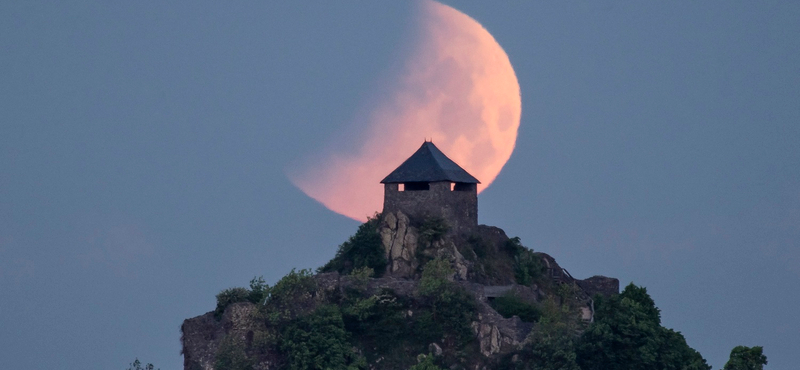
[(429, 164)]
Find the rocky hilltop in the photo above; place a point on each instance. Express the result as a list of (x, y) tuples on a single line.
[(400, 293)]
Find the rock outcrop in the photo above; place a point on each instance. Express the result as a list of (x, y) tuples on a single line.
[(483, 263), (404, 245), (202, 336)]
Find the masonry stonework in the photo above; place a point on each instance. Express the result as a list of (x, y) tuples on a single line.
[(458, 207)]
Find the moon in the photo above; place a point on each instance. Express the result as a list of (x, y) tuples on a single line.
[(457, 88)]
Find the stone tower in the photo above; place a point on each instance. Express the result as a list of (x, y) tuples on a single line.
[(428, 184)]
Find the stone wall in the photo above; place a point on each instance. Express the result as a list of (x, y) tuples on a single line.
[(599, 285), (459, 208)]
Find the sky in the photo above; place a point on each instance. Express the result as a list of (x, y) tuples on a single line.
[(145, 149)]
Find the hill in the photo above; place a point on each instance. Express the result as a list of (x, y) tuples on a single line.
[(406, 293)]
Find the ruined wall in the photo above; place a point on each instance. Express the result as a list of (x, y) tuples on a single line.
[(458, 208)]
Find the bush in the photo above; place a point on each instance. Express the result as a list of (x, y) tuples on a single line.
[(228, 297), (364, 249), (319, 341), (528, 266), (427, 363), (433, 229), (379, 321), (509, 305), (291, 296), (746, 358), (630, 324), (259, 290), (450, 308)]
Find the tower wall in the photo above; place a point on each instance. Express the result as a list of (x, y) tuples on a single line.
[(458, 207)]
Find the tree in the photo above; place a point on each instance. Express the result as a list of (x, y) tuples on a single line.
[(450, 309), (364, 249), (426, 363), (627, 334), (746, 358), (553, 339), (319, 341)]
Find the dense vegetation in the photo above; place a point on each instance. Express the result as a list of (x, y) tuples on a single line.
[(303, 326), (362, 250), (346, 330), (509, 305)]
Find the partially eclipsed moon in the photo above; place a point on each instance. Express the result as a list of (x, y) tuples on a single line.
[(458, 89)]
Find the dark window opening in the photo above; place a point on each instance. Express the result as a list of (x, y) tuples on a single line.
[(416, 186), (463, 186)]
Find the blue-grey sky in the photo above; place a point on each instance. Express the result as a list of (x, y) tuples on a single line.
[(144, 148)]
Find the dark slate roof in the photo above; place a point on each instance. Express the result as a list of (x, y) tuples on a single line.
[(429, 164)]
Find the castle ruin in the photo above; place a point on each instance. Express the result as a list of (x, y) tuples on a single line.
[(428, 184)]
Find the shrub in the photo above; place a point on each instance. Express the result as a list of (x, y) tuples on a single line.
[(746, 358), (630, 323), (291, 296), (528, 266), (319, 341), (433, 229), (364, 249), (379, 321), (436, 275), (510, 304), (228, 297), (450, 308), (361, 277), (426, 363), (259, 290)]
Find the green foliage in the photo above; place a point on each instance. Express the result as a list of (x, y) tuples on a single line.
[(746, 358), (436, 276), (553, 340), (551, 343), (319, 341), (361, 277), (627, 334), (231, 355), (291, 296), (228, 297), (427, 363), (379, 321), (137, 365), (510, 304), (511, 261), (257, 293), (259, 290), (528, 266), (364, 249), (433, 229), (491, 265), (451, 309)]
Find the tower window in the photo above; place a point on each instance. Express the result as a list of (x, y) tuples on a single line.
[(416, 186)]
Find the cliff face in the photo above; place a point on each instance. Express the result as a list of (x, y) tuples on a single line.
[(485, 264)]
